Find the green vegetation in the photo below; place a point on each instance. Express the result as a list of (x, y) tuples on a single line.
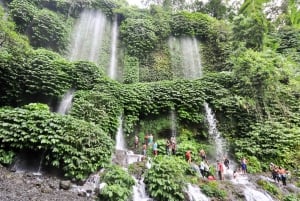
[(161, 180), (212, 189), (250, 79), (75, 146), (118, 184)]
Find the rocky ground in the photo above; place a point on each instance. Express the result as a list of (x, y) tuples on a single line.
[(29, 187)]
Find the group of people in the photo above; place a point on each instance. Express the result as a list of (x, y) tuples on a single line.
[(171, 146), (148, 141), (279, 173)]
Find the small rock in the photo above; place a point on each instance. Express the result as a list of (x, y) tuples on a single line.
[(82, 193), (66, 184)]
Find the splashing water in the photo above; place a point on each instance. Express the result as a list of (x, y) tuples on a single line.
[(219, 142), (65, 104), (120, 139), (195, 193), (139, 192)]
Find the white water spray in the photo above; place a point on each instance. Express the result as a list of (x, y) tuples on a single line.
[(219, 142), (113, 55), (139, 192), (173, 123), (88, 33), (195, 193), (66, 102), (185, 57), (120, 139)]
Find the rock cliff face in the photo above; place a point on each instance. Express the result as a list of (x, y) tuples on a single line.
[(27, 186)]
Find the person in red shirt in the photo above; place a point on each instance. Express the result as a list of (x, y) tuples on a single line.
[(188, 156)]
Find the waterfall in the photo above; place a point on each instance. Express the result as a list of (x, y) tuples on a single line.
[(139, 192), (195, 193), (88, 33), (185, 57), (40, 164), (29, 161), (120, 140), (113, 55), (66, 102), (173, 123), (250, 191), (219, 142), (255, 195)]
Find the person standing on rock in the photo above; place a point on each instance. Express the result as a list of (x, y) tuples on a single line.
[(226, 162), (201, 167), (188, 156), (220, 169), (202, 154), (244, 165)]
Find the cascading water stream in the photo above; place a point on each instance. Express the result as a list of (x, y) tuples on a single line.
[(173, 123), (195, 193), (186, 63), (139, 192), (87, 37), (185, 57), (219, 142), (65, 104), (120, 140), (250, 191), (113, 56)]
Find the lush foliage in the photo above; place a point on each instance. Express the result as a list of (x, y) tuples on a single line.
[(165, 180), (212, 189), (118, 184), (273, 189), (98, 107), (49, 30), (78, 147)]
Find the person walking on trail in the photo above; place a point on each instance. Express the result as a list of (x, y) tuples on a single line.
[(244, 165), (202, 154), (226, 162), (136, 142), (220, 169), (188, 156), (155, 151)]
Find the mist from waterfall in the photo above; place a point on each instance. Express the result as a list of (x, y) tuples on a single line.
[(66, 102), (87, 37), (185, 57), (113, 56), (120, 139)]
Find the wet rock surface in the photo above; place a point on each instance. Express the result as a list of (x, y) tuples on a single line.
[(29, 187)]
